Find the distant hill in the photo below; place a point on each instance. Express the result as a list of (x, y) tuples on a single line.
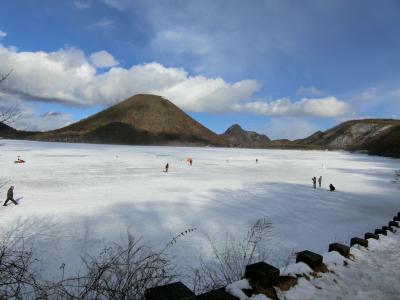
[(153, 120), (386, 144), (353, 135), (7, 131), (238, 137), (141, 119)]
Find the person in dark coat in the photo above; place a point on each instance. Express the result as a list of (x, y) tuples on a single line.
[(10, 196), (331, 188), (166, 168), (320, 181), (314, 180)]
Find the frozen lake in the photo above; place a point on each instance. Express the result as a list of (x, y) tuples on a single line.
[(78, 197)]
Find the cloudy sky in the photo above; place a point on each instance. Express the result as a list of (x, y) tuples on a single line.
[(280, 67)]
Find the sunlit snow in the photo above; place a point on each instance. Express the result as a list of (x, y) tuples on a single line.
[(76, 198)]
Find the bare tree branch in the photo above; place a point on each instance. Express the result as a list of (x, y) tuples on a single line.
[(8, 114), (4, 77), (229, 260)]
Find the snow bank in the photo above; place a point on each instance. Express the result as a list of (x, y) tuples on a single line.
[(372, 274)]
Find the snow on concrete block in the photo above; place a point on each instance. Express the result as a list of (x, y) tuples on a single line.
[(370, 235), (387, 228), (313, 260), (172, 291), (262, 274), (358, 241), (380, 231), (393, 223), (219, 294), (295, 269), (342, 249), (236, 289)]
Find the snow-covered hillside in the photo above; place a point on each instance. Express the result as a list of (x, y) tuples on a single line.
[(76, 198)]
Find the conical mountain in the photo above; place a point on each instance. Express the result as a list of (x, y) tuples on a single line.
[(141, 119)]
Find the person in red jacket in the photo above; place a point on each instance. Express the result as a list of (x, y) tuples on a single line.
[(10, 196)]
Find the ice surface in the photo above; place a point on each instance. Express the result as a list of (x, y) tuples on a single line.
[(77, 197)]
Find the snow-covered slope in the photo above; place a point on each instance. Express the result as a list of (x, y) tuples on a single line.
[(372, 273), (78, 197), (369, 273)]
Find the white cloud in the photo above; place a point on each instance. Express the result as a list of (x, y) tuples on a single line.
[(103, 59), (104, 24), (290, 128), (79, 4), (68, 76), (378, 101), (44, 122), (310, 91), (2, 34), (182, 42), (117, 4), (29, 119), (328, 107)]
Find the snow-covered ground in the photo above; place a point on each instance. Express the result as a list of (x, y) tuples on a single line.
[(78, 197), (371, 273)]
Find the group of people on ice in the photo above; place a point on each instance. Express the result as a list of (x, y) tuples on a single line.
[(314, 180), (10, 192), (189, 160)]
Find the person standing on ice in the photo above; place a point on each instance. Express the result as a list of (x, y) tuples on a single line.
[(320, 181), (166, 168), (314, 180), (10, 196)]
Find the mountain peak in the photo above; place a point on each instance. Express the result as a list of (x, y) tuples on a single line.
[(140, 119), (234, 129), (237, 136)]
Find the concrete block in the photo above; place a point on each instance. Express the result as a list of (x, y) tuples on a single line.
[(387, 228), (380, 231), (219, 294), (370, 235), (358, 241), (342, 249), (172, 291), (262, 274), (312, 259)]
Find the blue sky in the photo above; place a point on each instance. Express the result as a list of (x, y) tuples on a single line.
[(284, 68)]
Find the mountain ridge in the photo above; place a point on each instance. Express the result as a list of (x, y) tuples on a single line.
[(152, 120)]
